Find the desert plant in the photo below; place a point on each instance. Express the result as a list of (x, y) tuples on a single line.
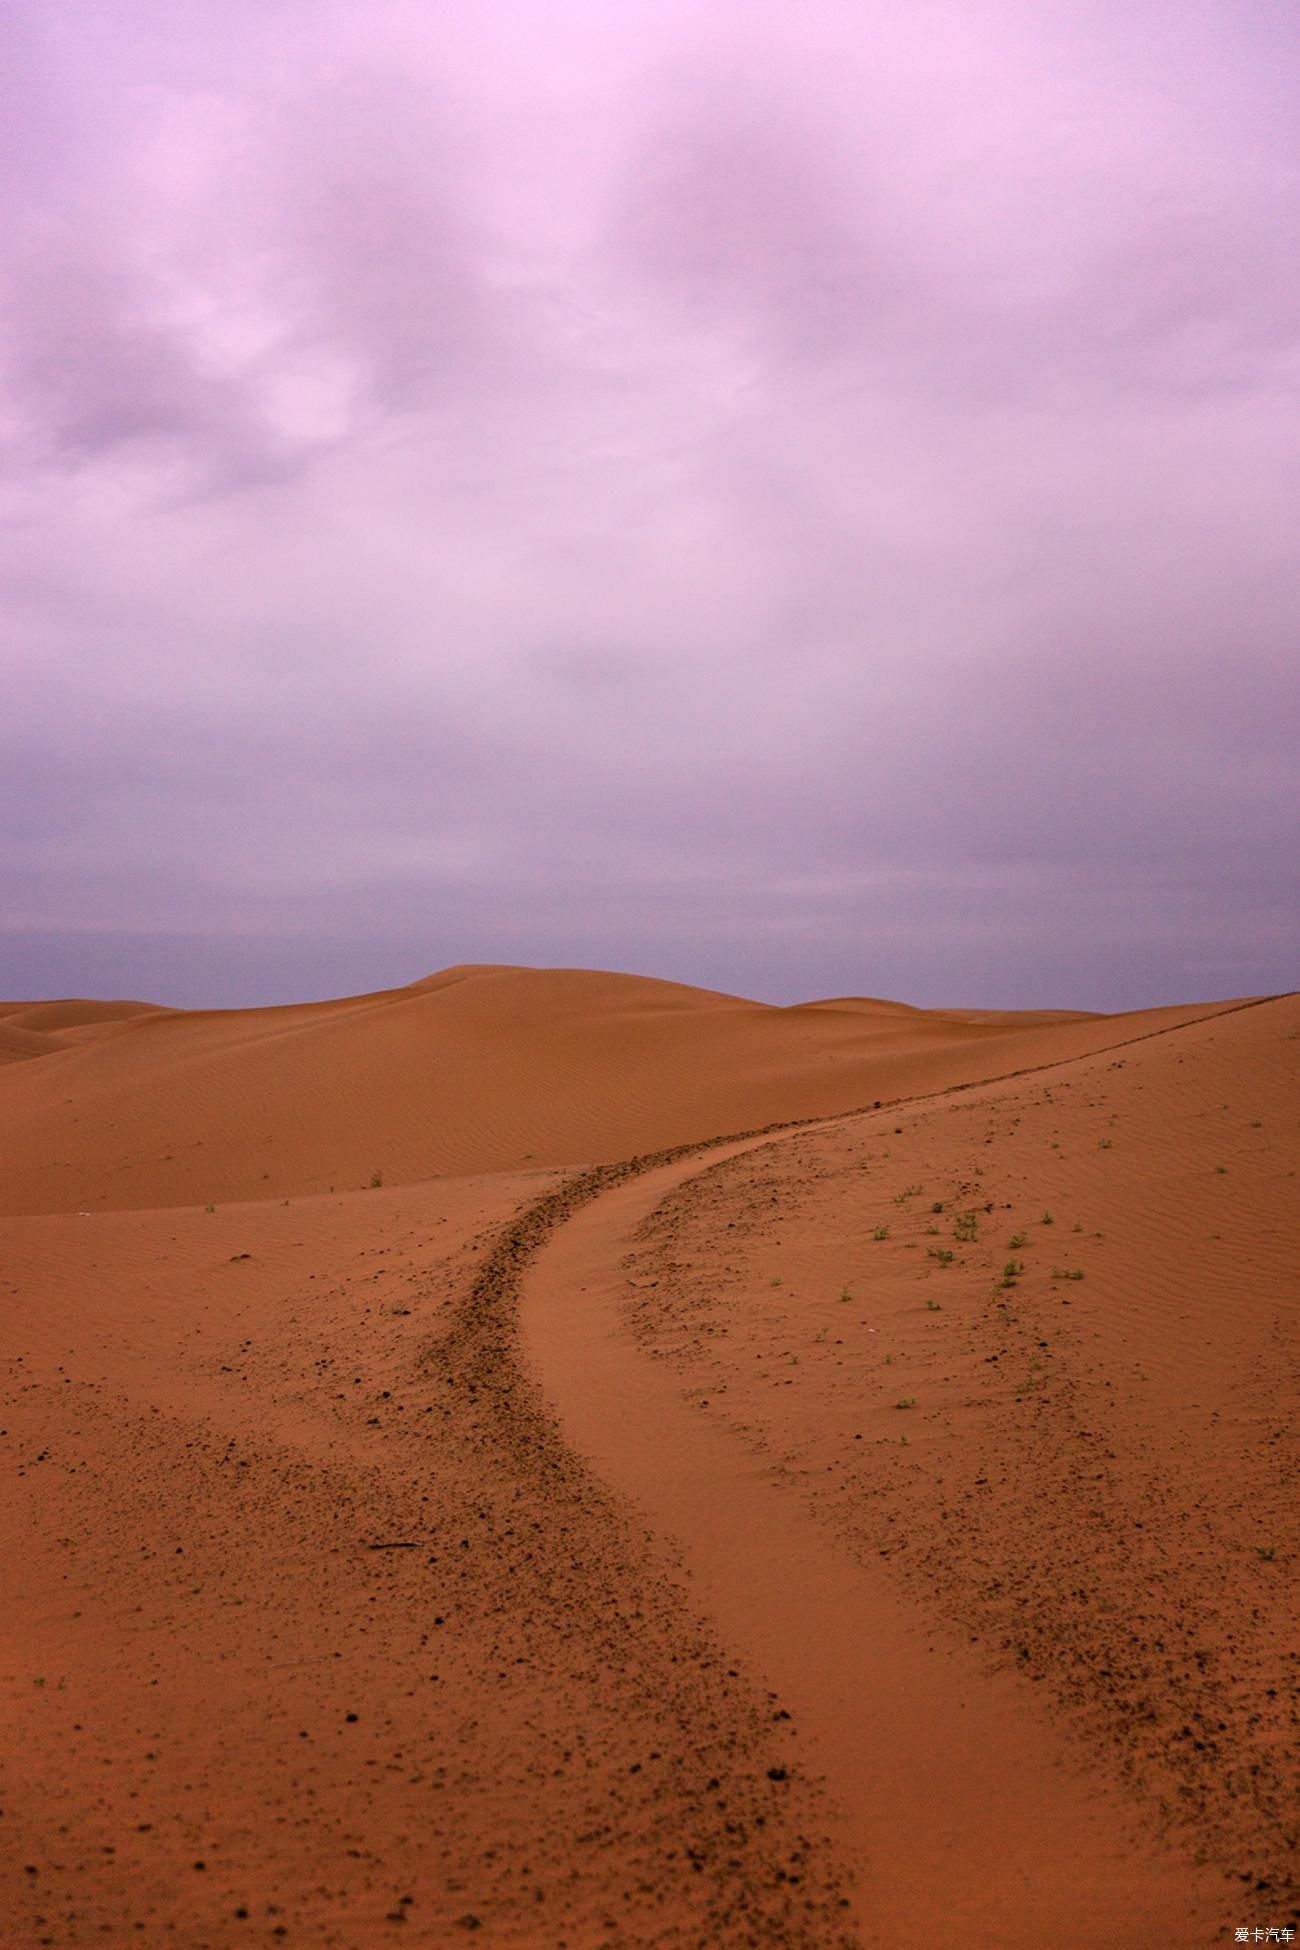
[(906, 1401), (881, 1232), (1047, 1220), (1011, 1271), (943, 1254), (966, 1226), (1017, 1240), (933, 1307)]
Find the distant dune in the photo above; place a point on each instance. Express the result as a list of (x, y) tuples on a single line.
[(458, 1489), (476, 1069)]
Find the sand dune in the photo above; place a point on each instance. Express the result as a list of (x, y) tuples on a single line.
[(600, 1534), (474, 1070)]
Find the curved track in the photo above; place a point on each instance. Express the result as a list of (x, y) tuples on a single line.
[(954, 1829)]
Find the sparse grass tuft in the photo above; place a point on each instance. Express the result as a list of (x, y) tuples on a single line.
[(943, 1254), (1047, 1220), (1267, 1551), (881, 1232), (376, 1180), (906, 1401), (1222, 1170), (937, 1206), (845, 1294), (1064, 1273), (933, 1307), (1017, 1240), (1011, 1272), (965, 1227)]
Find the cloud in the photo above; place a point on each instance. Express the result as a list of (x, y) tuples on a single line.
[(721, 492)]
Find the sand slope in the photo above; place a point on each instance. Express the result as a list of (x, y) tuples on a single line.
[(1037, 1347), (474, 1070), (324, 1624)]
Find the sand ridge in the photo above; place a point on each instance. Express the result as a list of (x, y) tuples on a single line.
[(475, 1070)]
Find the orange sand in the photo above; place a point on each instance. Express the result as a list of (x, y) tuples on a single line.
[(705, 1555)]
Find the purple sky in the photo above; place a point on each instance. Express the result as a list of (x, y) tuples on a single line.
[(801, 499)]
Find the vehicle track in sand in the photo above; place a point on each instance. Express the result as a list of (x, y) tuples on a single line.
[(948, 1824)]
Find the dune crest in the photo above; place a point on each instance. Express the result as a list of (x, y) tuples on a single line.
[(474, 1069)]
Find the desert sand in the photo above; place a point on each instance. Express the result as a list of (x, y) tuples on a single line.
[(565, 1459)]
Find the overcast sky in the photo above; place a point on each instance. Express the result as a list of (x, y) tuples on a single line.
[(802, 499)]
